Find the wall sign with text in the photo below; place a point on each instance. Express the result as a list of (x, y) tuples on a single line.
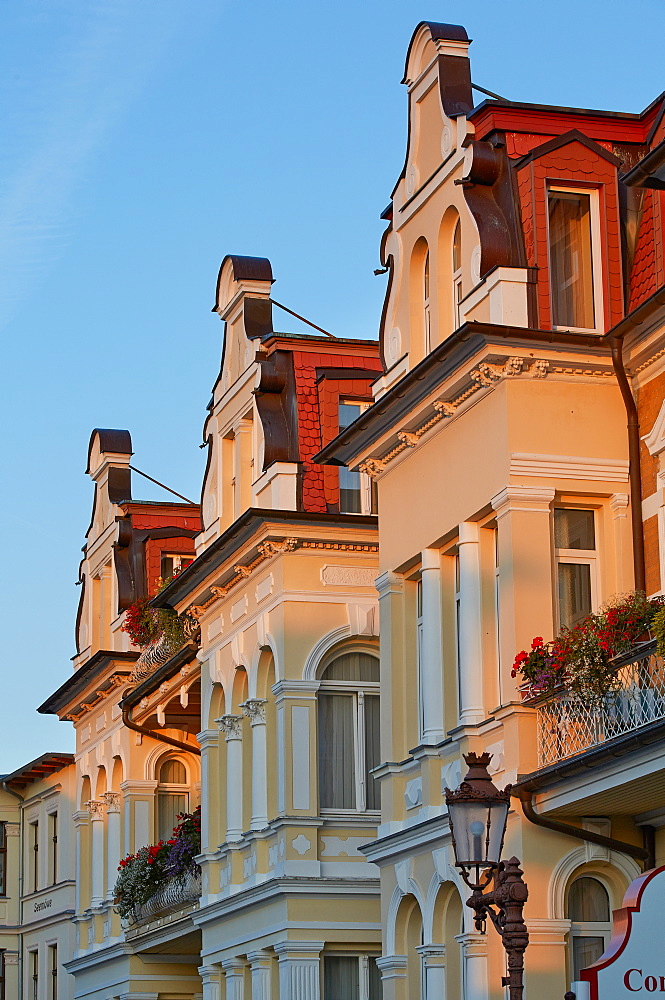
[(634, 963)]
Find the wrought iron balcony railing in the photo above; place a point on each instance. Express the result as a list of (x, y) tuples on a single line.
[(173, 896), (568, 726)]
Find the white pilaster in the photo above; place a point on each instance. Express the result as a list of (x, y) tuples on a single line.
[(234, 974), (112, 800), (255, 710), (474, 965), (470, 626), (231, 726), (299, 974), (260, 963), (96, 809), (431, 650), (393, 976), (434, 970), (80, 818), (211, 980)]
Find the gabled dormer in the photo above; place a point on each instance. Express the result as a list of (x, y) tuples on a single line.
[(278, 398)]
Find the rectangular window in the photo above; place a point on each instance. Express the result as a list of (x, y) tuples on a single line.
[(53, 844), (571, 259), (34, 974), (169, 807), (575, 545), (2, 976), (34, 852), (349, 748), (351, 977), (357, 492), (53, 965), (3, 860), (174, 563)]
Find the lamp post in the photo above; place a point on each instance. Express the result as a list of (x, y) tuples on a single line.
[(478, 815)]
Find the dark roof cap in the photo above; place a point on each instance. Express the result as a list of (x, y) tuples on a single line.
[(439, 32), (115, 441)]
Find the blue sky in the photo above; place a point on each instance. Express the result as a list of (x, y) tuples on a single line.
[(141, 143)]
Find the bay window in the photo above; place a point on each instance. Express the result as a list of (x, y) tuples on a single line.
[(348, 719)]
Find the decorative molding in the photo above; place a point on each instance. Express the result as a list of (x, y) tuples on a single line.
[(348, 576), (613, 470), (112, 800), (267, 550), (335, 847), (531, 498), (484, 376), (255, 710), (301, 844), (95, 808), (231, 726)]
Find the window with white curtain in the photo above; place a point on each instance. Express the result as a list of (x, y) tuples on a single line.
[(172, 796), (348, 720), (576, 564), (589, 913), (572, 278), (351, 977), (357, 492)]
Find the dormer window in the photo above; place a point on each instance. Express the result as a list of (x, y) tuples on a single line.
[(457, 273), (575, 293), (174, 562), (357, 492)]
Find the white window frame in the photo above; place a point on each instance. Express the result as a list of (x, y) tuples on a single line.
[(363, 971), (596, 256), (457, 279), (366, 484), (588, 928), (359, 689), (458, 600), (578, 557), (177, 558), (171, 788)]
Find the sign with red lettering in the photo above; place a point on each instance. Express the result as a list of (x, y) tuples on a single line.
[(634, 963)]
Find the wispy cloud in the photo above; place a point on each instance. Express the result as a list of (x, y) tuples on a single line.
[(103, 53)]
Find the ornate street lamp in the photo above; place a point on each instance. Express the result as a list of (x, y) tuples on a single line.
[(478, 815)]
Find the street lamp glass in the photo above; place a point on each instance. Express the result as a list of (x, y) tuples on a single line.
[(478, 829)]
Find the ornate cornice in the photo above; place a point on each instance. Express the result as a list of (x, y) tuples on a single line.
[(267, 550), (483, 376)]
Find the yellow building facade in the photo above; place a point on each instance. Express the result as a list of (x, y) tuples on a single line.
[(499, 424)]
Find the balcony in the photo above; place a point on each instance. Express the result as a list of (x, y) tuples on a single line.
[(174, 896), (567, 727)]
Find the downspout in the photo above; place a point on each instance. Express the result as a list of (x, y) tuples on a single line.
[(6, 788), (129, 722), (634, 462), (645, 854)]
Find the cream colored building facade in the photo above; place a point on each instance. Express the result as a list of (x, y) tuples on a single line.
[(500, 425), (39, 876)]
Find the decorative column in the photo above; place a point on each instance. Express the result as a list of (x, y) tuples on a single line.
[(255, 710), (434, 969), (211, 834), (299, 974), (96, 809), (431, 650), (234, 974), (523, 516), (211, 980), (231, 726), (393, 976), (474, 965), (81, 818), (469, 640), (112, 800), (260, 962)]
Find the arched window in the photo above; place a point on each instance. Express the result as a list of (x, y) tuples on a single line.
[(589, 913), (172, 796), (348, 706), (427, 318), (457, 272)]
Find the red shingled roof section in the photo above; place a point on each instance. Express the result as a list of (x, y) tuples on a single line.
[(644, 273), (315, 496)]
